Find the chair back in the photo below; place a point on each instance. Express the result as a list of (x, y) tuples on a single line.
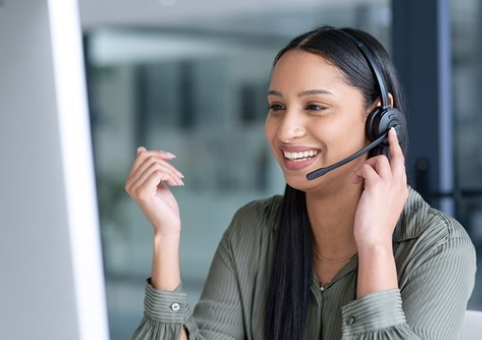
[(472, 326)]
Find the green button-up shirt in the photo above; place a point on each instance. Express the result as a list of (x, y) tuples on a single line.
[(435, 261)]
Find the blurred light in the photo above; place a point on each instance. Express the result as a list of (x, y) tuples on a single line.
[(78, 169), (166, 3)]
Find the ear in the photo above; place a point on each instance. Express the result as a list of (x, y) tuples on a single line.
[(379, 102)]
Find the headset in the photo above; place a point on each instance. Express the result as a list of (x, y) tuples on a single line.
[(378, 122)]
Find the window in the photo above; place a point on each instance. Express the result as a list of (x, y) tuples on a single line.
[(198, 90)]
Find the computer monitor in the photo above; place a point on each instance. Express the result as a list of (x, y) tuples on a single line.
[(51, 276)]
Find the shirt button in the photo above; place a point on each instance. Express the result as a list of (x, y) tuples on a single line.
[(350, 320), (175, 307)]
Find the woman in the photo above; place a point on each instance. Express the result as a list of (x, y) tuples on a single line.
[(352, 254)]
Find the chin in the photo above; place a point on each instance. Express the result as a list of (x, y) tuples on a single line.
[(298, 182)]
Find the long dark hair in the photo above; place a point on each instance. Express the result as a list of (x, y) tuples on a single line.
[(292, 266)]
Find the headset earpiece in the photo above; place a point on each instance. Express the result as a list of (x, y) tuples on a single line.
[(380, 120)]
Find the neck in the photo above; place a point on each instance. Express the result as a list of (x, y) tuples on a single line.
[(331, 216)]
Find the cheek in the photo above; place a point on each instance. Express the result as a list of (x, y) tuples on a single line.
[(340, 135), (270, 130)]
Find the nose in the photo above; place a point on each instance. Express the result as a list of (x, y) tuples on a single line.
[(291, 127)]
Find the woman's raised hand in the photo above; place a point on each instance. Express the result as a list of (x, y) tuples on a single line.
[(147, 183), (381, 203), (384, 195)]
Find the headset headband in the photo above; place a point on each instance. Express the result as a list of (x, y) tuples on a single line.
[(374, 66)]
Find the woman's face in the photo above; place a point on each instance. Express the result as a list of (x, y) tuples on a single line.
[(315, 119)]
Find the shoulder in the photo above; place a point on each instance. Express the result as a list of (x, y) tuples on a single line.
[(421, 221), (433, 252), (256, 216), (252, 227), (266, 208)]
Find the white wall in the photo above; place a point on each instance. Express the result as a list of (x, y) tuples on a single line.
[(51, 284)]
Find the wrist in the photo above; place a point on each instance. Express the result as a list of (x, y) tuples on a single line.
[(165, 265), (163, 237), (374, 239), (376, 269), (375, 249)]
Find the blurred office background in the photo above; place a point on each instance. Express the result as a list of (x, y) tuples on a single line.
[(190, 76)]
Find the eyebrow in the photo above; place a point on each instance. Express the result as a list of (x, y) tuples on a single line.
[(301, 94)]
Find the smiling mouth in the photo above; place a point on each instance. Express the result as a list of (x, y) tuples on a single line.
[(300, 156)]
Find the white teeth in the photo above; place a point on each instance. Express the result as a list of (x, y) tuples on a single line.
[(300, 155)]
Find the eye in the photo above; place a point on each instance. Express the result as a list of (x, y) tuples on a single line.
[(316, 107), (276, 107)]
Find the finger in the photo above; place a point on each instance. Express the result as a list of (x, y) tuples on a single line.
[(143, 154), (158, 177), (160, 153), (154, 159), (163, 173), (139, 175), (383, 168), (397, 160), (147, 189), (380, 164), (139, 168), (169, 174), (358, 171), (366, 173)]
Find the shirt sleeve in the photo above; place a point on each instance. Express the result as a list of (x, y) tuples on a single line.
[(430, 303), (217, 316), (164, 314), (374, 311)]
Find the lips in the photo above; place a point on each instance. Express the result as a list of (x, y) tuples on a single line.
[(299, 158)]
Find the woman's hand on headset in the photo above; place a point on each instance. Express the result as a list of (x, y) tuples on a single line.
[(384, 195), (381, 203)]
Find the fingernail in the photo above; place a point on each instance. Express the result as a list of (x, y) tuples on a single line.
[(140, 148), (169, 154)]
